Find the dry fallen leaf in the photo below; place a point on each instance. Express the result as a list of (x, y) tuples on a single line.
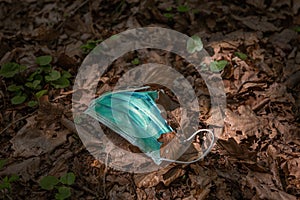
[(166, 175), (31, 141), (244, 124), (283, 39), (26, 169), (257, 23), (265, 188), (166, 138), (294, 167), (236, 150)]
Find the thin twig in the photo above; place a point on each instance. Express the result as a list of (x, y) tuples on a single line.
[(9, 125), (71, 14)]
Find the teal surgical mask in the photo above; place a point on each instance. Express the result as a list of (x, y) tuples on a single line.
[(136, 117)]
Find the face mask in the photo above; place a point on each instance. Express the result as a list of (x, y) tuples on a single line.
[(136, 117)]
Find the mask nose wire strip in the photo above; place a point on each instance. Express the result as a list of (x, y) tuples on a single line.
[(190, 138)]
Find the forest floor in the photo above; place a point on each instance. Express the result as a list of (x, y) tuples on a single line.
[(256, 157)]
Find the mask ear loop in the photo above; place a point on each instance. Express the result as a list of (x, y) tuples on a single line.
[(190, 138)]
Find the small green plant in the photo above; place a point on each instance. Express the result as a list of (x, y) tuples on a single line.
[(7, 180), (194, 44), (2, 163), (242, 56), (61, 185), (135, 61), (217, 66), (5, 183), (169, 15), (183, 8), (89, 45), (297, 29), (33, 86), (169, 9), (10, 69)]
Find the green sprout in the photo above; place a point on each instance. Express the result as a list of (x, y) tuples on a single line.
[(89, 45), (217, 66), (135, 61), (61, 185), (183, 8), (242, 56), (194, 44), (5, 183), (31, 87)]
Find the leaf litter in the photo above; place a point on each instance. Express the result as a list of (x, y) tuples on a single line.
[(256, 157)]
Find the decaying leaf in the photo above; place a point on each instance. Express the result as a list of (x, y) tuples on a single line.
[(166, 175), (31, 141), (26, 169), (236, 150), (294, 167), (245, 123), (166, 138), (265, 188), (257, 23)]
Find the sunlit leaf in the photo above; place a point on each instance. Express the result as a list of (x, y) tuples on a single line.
[(217, 66), (194, 44), (241, 55)]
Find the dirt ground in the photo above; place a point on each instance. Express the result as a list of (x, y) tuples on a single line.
[(256, 157)]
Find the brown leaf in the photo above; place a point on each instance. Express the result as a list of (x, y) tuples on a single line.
[(283, 39), (294, 167), (151, 179), (278, 93), (202, 177), (296, 6), (42, 133), (172, 175), (166, 138), (34, 142), (66, 61), (236, 150), (265, 188), (257, 3), (246, 123), (257, 23), (171, 146), (26, 169), (279, 3)]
